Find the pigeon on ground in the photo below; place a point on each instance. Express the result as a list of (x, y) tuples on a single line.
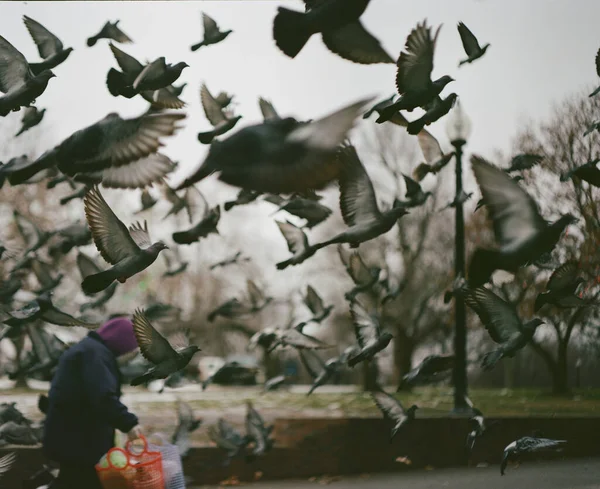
[(6, 462), (413, 78), (236, 258), (597, 91), (129, 251), (297, 243), (175, 265), (226, 437), (111, 31), (243, 197), (502, 323), (267, 110), (257, 298), (364, 278), (524, 161), (470, 44), (207, 224), (393, 410), (212, 33), (340, 27), (438, 110), (49, 46), (310, 210), (156, 349), (460, 199), (521, 232), (187, 423), (44, 274), (369, 335), (561, 289), (587, 172), (358, 204), (282, 155), (31, 118), (12, 433), (109, 143), (146, 200), (17, 81), (229, 309), (432, 369), (313, 301), (88, 267), (529, 444), (221, 119), (256, 431), (480, 428), (158, 75), (435, 158)]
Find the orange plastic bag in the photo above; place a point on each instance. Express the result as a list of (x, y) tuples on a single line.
[(141, 470)]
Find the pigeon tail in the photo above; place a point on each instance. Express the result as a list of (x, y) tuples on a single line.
[(415, 127), (387, 113), (115, 81), (91, 41), (142, 379), (282, 265), (482, 266), (290, 31), (98, 282), (491, 358), (595, 92), (43, 162), (195, 47), (21, 131), (206, 137), (229, 205), (421, 171), (204, 171)]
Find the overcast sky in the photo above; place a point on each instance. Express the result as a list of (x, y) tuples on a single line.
[(541, 50)]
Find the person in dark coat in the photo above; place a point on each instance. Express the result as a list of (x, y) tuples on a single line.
[(84, 406)]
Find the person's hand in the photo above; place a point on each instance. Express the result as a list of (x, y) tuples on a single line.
[(135, 433)]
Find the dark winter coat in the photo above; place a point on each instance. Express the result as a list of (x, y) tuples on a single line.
[(84, 407)]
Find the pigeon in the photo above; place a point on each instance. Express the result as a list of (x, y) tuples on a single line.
[(393, 410), (339, 25), (432, 369), (524, 161), (256, 430), (435, 158), (529, 444), (413, 78), (243, 197), (274, 383), (502, 323), (17, 81), (314, 302), (12, 433), (597, 91), (157, 350), (129, 251), (322, 372), (224, 99), (438, 110), (257, 298), (229, 309), (587, 172), (521, 232), (146, 200), (364, 278), (9, 412), (470, 44), (221, 119), (460, 199), (296, 339), (358, 204), (297, 243), (282, 155), (368, 334), (31, 118), (158, 75), (226, 437), (10, 286), (480, 428), (111, 31), (187, 423), (414, 193), (191, 201), (267, 110), (49, 46), (43, 274), (227, 374), (205, 226), (88, 267), (111, 143), (212, 33), (6, 462), (174, 264), (561, 289), (310, 210), (236, 258), (33, 237), (41, 308)]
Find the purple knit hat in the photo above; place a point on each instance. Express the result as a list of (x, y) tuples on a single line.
[(118, 335)]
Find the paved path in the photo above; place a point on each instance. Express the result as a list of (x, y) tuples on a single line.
[(572, 474)]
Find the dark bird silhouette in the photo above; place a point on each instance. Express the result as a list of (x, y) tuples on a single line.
[(310, 210), (364, 278), (88, 267), (212, 33), (111, 143), (256, 297), (186, 424), (297, 243), (175, 265), (393, 410), (192, 201), (236, 258), (31, 118), (6, 462), (470, 44), (229, 373), (221, 119), (521, 232), (594, 126), (339, 25), (435, 158), (597, 91), (413, 78), (207, 224), (561, 289), (524, 161), (587, 172), (129, 251), (33, 237), (226, 437), (480, 428), (243, 197), (156, 349), (229, 309), (460, 199), (437, 110), (281, 155), (146, 200), (17, 80), (414, 193), (49, 46), (369, 335), (295, 338), (501, 321), (323, 372), (111, 31), (377, 107), (267, 110), (44, 274), (313, 301), (529, 444), (432, 369)]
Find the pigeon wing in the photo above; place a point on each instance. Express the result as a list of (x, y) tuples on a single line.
[(498, 316), (353, 42), (210, 26), (164, 98), (110, 235), (7, 462), (151, 71), (140, 173), (563, 276), (430, 146), (313, 300), (312, 362), (412, 187), (86, 266), (140, 235), (42, 273), (344, 254), (469, 41), (127, 63), (212, 109), (14, 69), (294, 236), (117, 34), (60, 318), (366, 327), (195, 203), (154, 346), (415, 64), (524, 162), (388, 405), (267, 110), (358, 270), (46, 42)]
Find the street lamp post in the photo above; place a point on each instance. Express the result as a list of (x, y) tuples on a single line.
[(458, 129)]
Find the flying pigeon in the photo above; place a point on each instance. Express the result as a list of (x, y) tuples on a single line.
[(257, 298), (296, 339), (587, 172), (393, 410), (229, 309), (77, 194), (594, 126), (561, 288), (207, 224), (227, 373), (212, 33), (368, 334), (274, 383), (364, 278), (187, 423), (256, 431), (6, 462), (340, 27), (111, 143), (111, 31), (282, 155), (297, 243), (33, 237), (529, 444), (17, 80), (520, 231), (377, 107), (224, 99), (156, 349), (435, 158), (243, 197), (129, 251), (314, 302), (236, 258), (502, 323), (432, 369), (460, 199), (221, 119), (413, 78), (31, 118), (175, 265), (438, 110), (480, 428), (312, 211), (226, 437), (524, 161), (267, 110), (323, 372), (597, 91), (414, 193), (43, 273), (49, 46), (470, 44), (146, 201), (158, 75)]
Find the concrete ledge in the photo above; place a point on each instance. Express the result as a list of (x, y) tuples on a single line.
[(309, 447)]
